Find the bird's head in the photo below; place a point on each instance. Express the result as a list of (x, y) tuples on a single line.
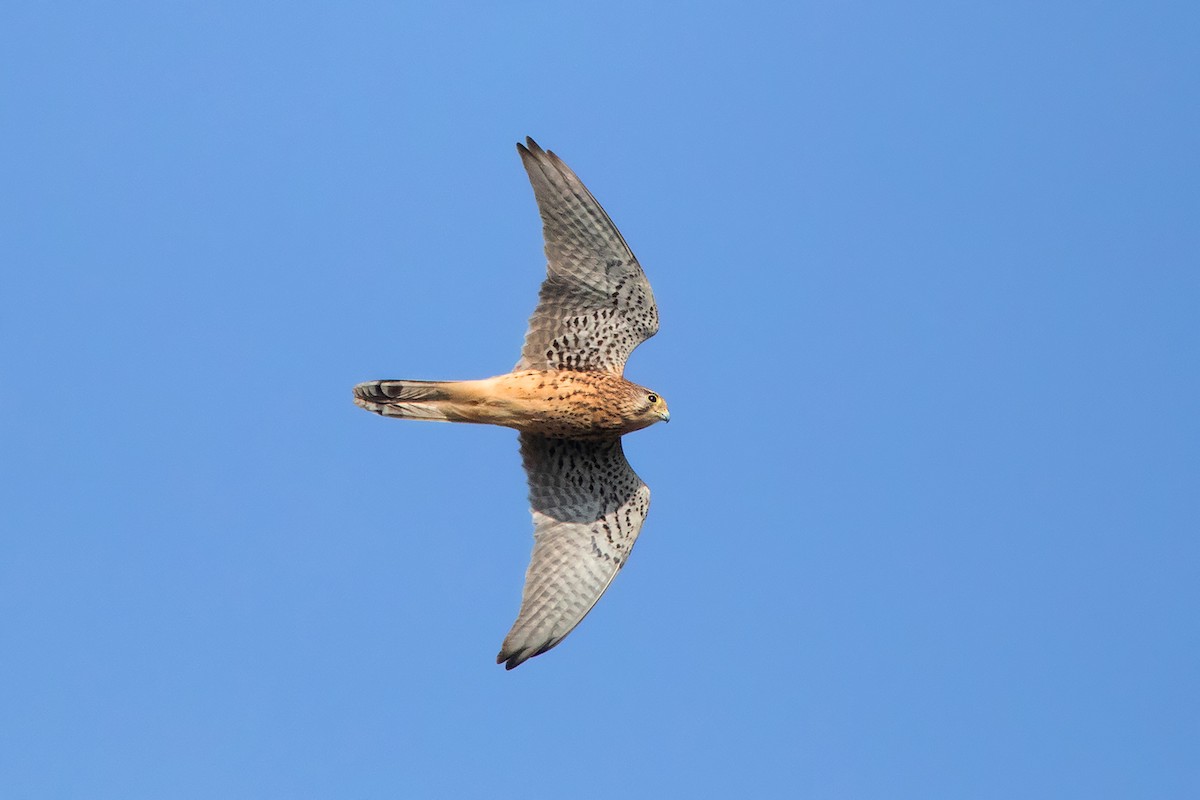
[(653, 407)]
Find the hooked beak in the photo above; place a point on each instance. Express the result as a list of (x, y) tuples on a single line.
[(665, 416)]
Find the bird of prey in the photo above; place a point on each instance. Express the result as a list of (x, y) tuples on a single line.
[(569, 401)]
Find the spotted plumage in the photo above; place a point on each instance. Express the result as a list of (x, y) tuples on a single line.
[(569, 401)]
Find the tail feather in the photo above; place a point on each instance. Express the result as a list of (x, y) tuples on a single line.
[(409, 399)]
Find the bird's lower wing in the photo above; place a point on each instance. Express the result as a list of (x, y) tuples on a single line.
[(588, 506)]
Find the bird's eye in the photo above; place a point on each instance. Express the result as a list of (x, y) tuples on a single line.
[(652, 398)]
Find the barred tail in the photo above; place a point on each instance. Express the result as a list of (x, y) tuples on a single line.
[(432, 400)]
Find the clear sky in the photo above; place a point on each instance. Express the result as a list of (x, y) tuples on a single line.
[(926, 518)]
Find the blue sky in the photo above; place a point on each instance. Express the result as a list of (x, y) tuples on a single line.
[(925, 520)]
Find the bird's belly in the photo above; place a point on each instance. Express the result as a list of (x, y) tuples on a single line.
[(564, 407)]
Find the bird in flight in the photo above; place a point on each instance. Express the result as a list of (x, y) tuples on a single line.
[(571, 404)]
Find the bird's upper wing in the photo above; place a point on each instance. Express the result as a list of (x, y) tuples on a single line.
[(595, 305), (588, 506)]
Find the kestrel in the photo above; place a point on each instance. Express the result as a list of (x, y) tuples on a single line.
[(568, 399)]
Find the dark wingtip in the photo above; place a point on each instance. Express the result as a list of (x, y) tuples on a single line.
[(532, 148), (529, 152), (515, 658)]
